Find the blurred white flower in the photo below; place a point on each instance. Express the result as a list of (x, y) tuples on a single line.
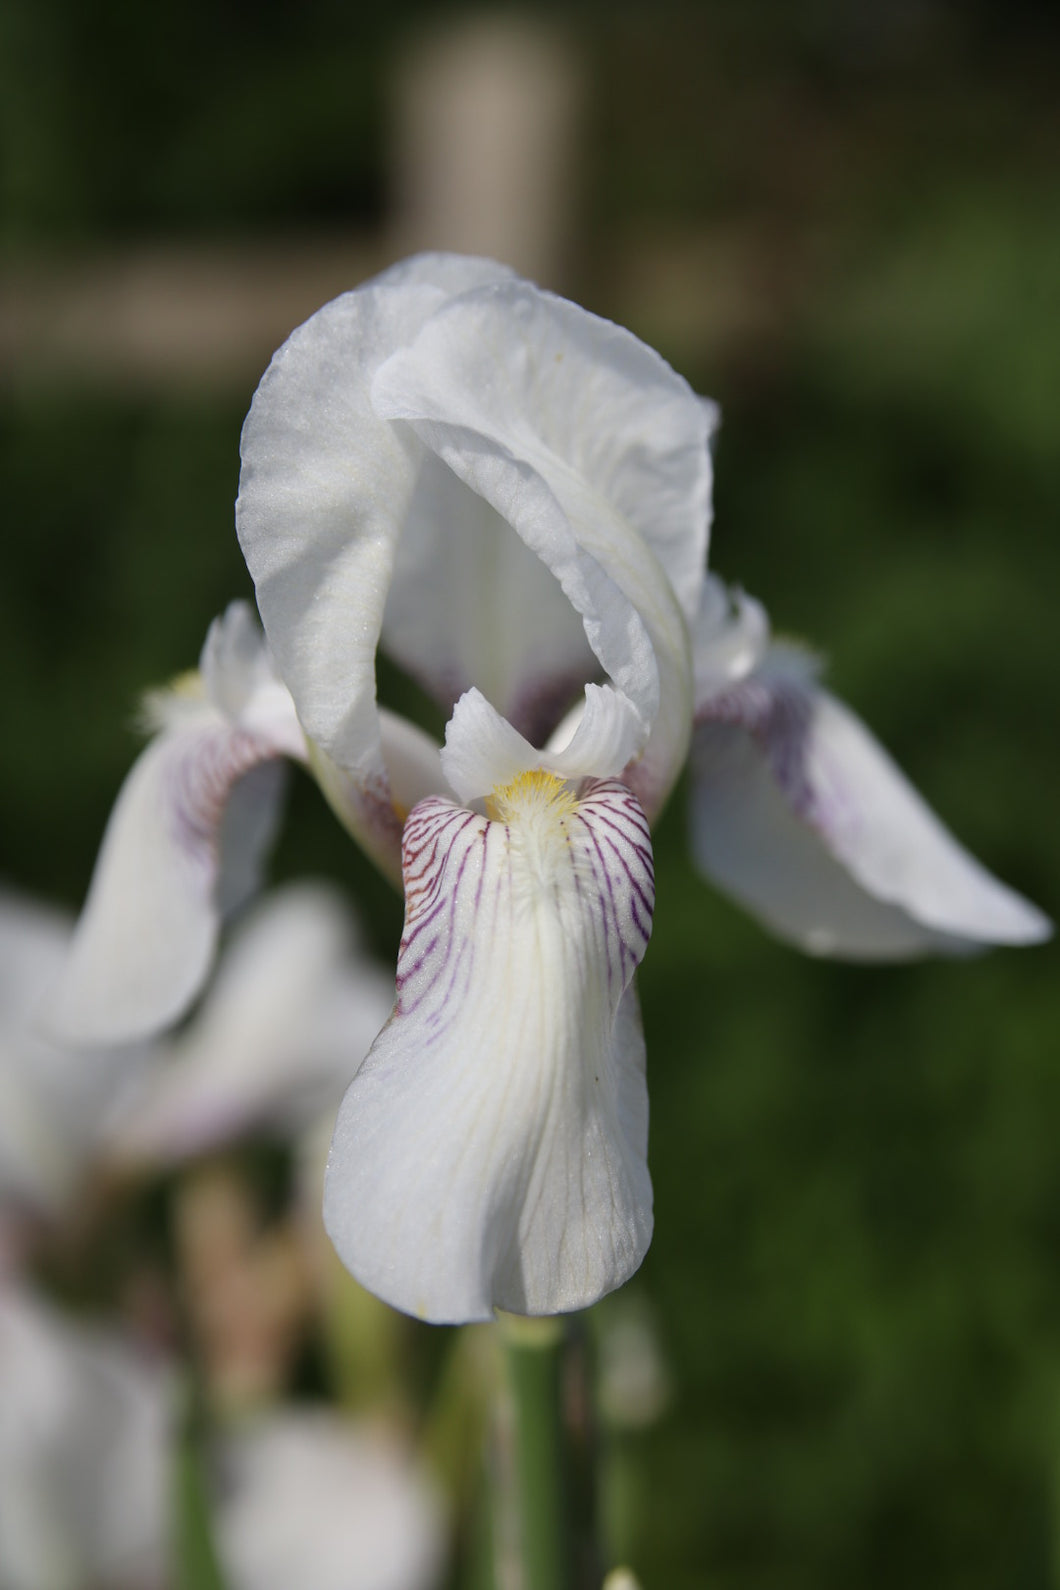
[(87, 1444), (294, 1007), (621, 1579), (309, 1500), (54, 1098), (85, 1427)]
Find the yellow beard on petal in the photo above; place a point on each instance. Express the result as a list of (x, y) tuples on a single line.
[(530, 797), (534, 808)]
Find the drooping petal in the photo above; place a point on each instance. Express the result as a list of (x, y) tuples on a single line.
[(185, 840), (308, 1499), (147, 935), (324, 489), (803, 817), (290, 1017), (491, 1150), (595, 452), (482, 750)]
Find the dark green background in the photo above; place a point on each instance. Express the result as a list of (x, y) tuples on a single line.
[(856, 1267)]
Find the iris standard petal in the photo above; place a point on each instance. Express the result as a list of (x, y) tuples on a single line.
[(801, 815), (470, 604), (559, 386), (491, 1150), (324, 489), (595, 453)]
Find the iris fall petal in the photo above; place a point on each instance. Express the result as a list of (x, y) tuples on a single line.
[(800, 814), (491, 1150), (184, 844)]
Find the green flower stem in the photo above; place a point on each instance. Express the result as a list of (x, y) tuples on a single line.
[(195, 1564), (534, 1360)]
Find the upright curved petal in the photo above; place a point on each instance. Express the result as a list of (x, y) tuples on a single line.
[(490, 1152), (590, 447), (471, 604), (324, 488), (422, 467), (803, 817)]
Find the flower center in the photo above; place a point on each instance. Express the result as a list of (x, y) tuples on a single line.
[(531, 797)]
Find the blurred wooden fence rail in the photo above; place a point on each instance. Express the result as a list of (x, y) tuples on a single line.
[(156, 316), (486, 136)]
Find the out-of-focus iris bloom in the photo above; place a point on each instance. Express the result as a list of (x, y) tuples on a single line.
[(308, 1498), (85, 1430), (295, 1003), (511, 498), (87, 1447), (54, 1098)]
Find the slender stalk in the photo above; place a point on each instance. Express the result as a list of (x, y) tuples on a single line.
[(195, 1563), (534, 1362)]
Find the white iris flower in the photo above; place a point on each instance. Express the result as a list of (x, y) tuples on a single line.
[(511, 498), (310, 1499), (85, 1428)]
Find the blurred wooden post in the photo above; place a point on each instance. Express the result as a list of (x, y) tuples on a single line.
[(485, 144)]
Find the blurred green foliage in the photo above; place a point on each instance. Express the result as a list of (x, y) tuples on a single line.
[(857, 1183)]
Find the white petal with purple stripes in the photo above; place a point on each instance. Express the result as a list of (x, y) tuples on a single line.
[(799, 813), (491, 1151), (184, 843)]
